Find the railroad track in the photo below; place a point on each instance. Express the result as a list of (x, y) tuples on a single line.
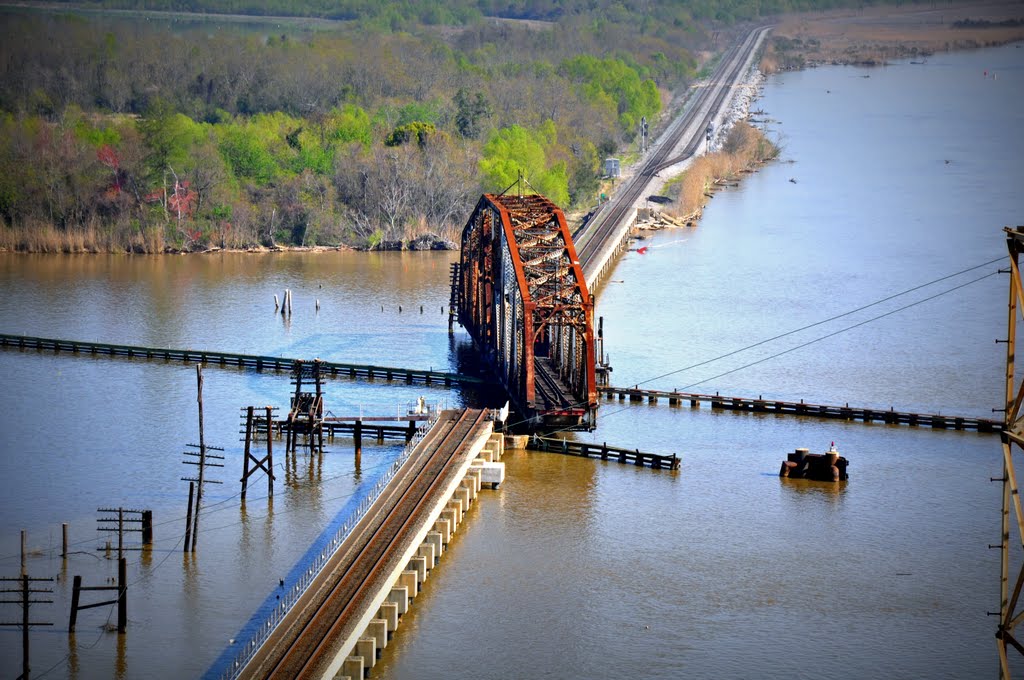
[(310, 642), (592, 238), (549, 391)]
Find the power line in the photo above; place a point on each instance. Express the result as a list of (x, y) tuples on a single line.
[(823, 321), (222, 502), (842, 330)]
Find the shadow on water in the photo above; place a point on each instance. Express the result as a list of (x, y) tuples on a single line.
[(813, 488), (465, 359)]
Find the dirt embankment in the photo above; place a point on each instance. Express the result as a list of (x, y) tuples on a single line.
[(875, 35)]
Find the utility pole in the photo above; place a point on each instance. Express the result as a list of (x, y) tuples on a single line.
[(192, 519), (26, 591)]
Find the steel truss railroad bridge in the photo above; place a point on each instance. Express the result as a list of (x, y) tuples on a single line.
[(520, 293)]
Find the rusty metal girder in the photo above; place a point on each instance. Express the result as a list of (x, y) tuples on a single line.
[(520, 275)]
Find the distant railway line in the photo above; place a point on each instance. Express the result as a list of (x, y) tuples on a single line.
[(605, 227)]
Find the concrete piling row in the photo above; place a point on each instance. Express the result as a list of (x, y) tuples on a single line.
[(486, 469)]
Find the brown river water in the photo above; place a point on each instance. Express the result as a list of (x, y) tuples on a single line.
[(579, 568)]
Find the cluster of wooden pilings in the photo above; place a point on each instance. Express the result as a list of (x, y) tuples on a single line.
[(823, 467)]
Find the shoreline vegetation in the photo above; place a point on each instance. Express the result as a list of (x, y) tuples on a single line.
[(379, 132), (745, 149)]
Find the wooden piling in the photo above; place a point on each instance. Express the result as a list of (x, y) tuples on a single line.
[(270, 455), (122, 595), (188, 517), (76, 590), (147, 527), (247, 454), (64, 540)]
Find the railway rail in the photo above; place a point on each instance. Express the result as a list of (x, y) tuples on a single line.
[(306, 643)]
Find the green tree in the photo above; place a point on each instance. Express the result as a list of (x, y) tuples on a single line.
[(611, 81), (347, 124), (418, 131), (168, 138), (470, 113), (246, 156), (514, 149)]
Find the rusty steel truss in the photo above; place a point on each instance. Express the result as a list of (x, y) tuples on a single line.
[(1010, 613), (524, 301)]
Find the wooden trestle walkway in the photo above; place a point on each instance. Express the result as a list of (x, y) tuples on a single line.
[(356, 428), (229, 359), (655, 460), (800, 408)]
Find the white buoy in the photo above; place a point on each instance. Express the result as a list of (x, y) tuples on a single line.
[(318, 304)]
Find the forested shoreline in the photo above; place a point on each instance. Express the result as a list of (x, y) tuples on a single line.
[(124, 134), (121, 136)]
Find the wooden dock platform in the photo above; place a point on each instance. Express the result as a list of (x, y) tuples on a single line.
[(229, 359), (866, 415)]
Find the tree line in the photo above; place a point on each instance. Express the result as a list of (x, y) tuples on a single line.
[(129, 133), (150, 139), (405, 14)]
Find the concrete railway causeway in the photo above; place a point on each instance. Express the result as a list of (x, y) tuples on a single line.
[(351, 607)]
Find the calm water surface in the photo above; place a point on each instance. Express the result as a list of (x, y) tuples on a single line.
[(579, 568)]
